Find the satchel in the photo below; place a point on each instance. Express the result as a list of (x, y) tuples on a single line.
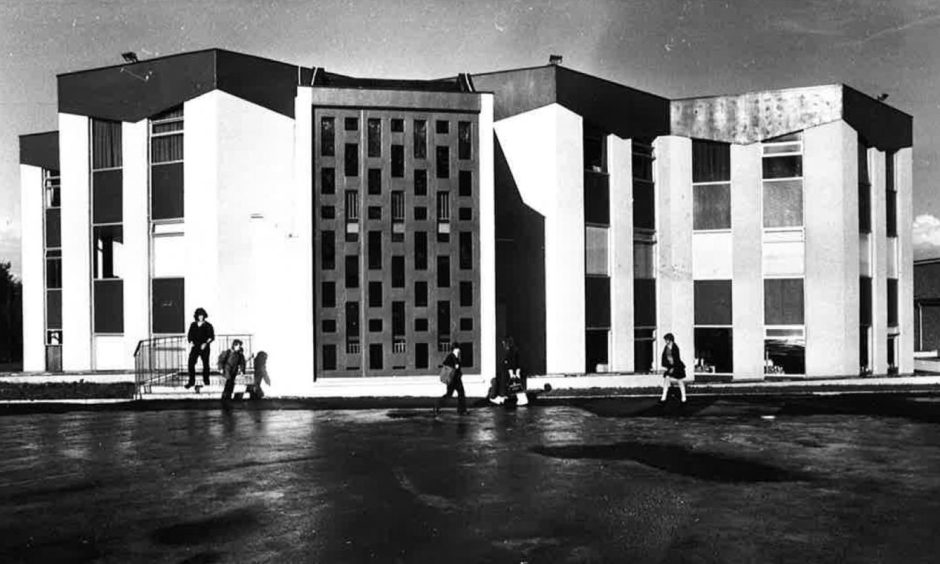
[(447, 374)]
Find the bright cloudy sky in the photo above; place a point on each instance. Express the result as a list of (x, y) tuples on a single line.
[(674, 48)]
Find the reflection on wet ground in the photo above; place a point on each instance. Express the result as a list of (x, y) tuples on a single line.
[(541, 484)]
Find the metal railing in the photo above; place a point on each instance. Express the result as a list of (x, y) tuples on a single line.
[(163, 361)]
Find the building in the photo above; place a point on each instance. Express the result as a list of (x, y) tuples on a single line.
[(927, 306), (356, 227)]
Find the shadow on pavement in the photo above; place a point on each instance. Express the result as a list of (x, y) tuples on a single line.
[(221, 527)]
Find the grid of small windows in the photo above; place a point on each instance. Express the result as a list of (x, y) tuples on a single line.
[(378, 177), (52, 242)]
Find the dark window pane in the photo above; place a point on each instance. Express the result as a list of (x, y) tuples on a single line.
[(328, 294), (466, 354), (421, 355), (375, 326), (421, 182), (466, 324), (465, 214), (442, 126), (421, 293), (375, 137), (109, 306), (596, 345), (597, 302), (443, 271), (166, 148), (464, 140), (398, 272), (783, 167), (166, 191), (327, 180), (421, 324), (107, 243), (466, 294), (351, 159), (53, 273), (398, 318), (375, 356), (352, 319), (892, 302), (398, 161), (594, 150), (105, 144), (54, 309), (785, 355), (398, 125), (375, 181), (644, 206), (421, 250), (783, 203), (169, 314), (421, 139), (327, 250), (465, 180), (712, 302), (865, 297), (351, 124), (443, 317), (107, 196), (715, 347), (327, 136), (421, 213), (53, 228), (712, 207), (375, 294), (443, 162), (891, 213), (352, 271), (711, 161), (329, 357), (328, 325), (327, 212), (644, 302), (642, 163), (596, 198), (375, 212), (375, 250), (466, 250), (783, 301)]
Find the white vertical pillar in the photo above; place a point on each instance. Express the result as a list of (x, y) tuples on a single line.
[(830, 187), (747, 288), (675, 300), (620, 168), (32, 249), (904, 170), (74, 159), (136, 257), (879, 263), (487, 240)]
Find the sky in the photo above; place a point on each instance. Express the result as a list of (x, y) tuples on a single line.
[(674, 48)]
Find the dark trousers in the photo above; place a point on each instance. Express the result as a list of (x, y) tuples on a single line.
[(456, 384), (229, 388), (195, 353)]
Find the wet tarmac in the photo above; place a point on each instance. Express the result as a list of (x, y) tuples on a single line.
[(542, 484)]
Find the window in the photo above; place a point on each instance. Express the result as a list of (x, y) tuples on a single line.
[(712, 302), (398, 206), (783, 187), (327, 250), (421, 293), (328, 294), (465, 181), (465, 214), (466, 354), (398, 161), (443, 207), (421, 139), (421, 250), (352, 271), (398, 271), (374, 133), (421, 355), (375, 212), (443, 271), (596, 251), (421, 325), (105, 144), (891, 196), (644, 350), (166, 171), (596, 198), (53, 270), (783, 167), (398, 125), (892, 302), (466, 324), (327, 136), (466, 294), (166, 136), (711, 188), (329, 357), (421, 213), (169, 314), (594, 151), (864, 189), (785, 350), (375, 250), (327, 212), (643, 259), (352, 206), (714, 349), (375, 181), (375, 294), (351, 124), (644, 302), (443, 162), (464, 140), (466, 250), (53, 228), (108, 244), (328, 325), (352, 320), (644, 204), (398, 319), (865, 300), (783, 301), (109, 306), (375, 356), (351, 159), (107, 197), (596, 345), (421, 182), (54, 311), (442, 126), (443, 318), (597, 302), (53, 186), (375, 326), (327, 180), (711, 161)]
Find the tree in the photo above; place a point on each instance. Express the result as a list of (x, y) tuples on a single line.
[(11, 316)]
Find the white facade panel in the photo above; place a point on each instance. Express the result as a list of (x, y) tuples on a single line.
[(488, 335), (620, 170), (136, 224), (905, 186), (747, 288), (865, 255), (712, 255), (110, 352), (32, 212), (169, 256)]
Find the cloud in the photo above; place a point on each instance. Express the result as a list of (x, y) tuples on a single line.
[(926, 236)]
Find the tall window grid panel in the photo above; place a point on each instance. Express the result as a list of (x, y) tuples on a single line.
[(891, 195), (644, 302), (711, 186), (52, 248), (782, 173), (107, 227), (784, 326), (864, 187), (714, 344), (644, 199)]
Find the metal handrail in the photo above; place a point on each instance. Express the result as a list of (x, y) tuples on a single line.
[(163, 360)]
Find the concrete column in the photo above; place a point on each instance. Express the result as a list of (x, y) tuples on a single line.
[(74, 159), (904, 170), (879, 263), (136, 258), (620, 168), (488, 335), (675, 290), (32, 252), (747, 288), (830, 188)]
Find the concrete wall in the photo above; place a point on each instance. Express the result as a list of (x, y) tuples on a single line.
[(879, 283), (620, 169), (830, 188), (747, 290), (136, 257), (544, 152), (76, 237), (32, 249), (488, 336), (674, 290), (904, 183)]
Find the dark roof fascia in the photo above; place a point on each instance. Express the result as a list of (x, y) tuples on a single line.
[(141, 62), (879, 124), (40, 149), (927, 261)]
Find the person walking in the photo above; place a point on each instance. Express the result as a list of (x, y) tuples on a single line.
[(200, 336), (452, 360), (232, 361), (675, 368)]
